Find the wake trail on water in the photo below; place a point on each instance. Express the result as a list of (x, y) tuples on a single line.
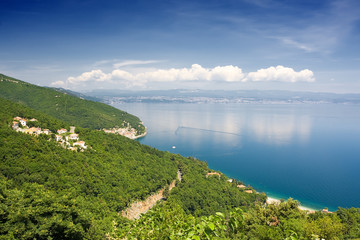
[(205, 130)]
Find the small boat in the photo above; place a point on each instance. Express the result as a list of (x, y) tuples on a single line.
[(173, 147)]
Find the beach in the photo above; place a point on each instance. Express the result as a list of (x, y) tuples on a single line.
[(271, 200)]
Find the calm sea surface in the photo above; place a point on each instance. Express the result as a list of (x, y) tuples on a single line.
[(308, 152)]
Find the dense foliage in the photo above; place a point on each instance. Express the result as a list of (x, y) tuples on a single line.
[(275, 221), (200, 195), (75, 111), (96, 184)]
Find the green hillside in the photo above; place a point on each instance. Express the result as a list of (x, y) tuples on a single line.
[(47, 190), (59, 104), (50, 192)]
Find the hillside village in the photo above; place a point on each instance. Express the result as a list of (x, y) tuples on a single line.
[(67, 139)]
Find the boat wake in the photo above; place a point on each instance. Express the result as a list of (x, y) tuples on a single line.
[(202, 129)]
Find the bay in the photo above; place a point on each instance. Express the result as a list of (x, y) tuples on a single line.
[(310, 152)]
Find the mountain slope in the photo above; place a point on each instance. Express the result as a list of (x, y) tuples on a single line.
[(69, 108), (48, 191)]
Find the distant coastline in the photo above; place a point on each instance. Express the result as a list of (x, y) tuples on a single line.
[(240, 96)]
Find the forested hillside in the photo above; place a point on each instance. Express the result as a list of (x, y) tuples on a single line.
[(50, 192), (59, 104), (47, 190)]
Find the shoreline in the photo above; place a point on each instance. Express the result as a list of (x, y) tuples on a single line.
[(271, 200), (139, 136)]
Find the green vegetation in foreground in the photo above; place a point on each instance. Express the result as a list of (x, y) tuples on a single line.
[(73, 110), (283, 221)]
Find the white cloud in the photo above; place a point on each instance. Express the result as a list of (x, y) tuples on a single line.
[(281, 74), (94, 75), (227, 73), (195, 74), (58, 83), (120, 74)]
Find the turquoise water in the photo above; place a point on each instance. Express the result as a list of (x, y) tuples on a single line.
[(308, 152)]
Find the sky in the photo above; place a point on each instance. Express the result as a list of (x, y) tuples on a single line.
[(297, 45)]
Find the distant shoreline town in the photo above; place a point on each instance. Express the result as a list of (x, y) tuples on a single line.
[(164, 99), (222, 96)]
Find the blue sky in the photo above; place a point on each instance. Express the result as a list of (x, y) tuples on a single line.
[(302, 45)]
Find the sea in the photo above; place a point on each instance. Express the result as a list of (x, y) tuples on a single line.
[(308, 152)]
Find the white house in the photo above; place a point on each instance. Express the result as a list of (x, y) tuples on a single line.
[(74, 136), (72, 129), (80, 144), (58, 138), (23, 122), (46, 131), (21, 130), (17, 118), (61, 131), (33, 130), (15, 125)]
